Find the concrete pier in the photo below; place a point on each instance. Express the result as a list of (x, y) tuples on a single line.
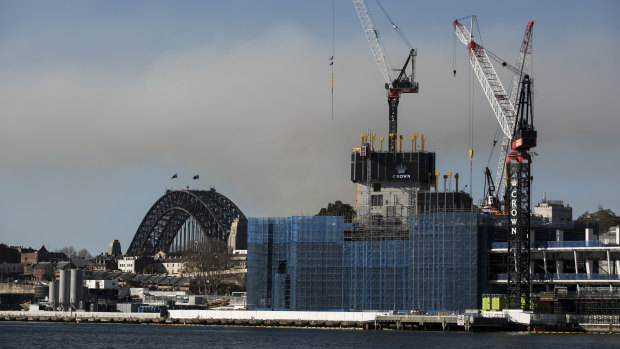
[(341, 320)]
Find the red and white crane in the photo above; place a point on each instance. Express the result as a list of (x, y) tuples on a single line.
[(516, 118), (403, 83), (502, 104)]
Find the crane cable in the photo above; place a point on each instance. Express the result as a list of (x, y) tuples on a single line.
[(495, 139), (331, 60), (470, 83), (453, 56), (402, 36)]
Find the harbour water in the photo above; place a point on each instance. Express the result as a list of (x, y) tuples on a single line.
[(22, 334)]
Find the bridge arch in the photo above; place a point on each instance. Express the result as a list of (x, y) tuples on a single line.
[(211, 213)]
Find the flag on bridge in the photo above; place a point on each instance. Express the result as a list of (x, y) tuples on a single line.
[(196, 176), (174, 176)]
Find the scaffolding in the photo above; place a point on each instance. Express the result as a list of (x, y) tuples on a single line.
[(445, 261), (306, 263), (295, 263), (376, 275)]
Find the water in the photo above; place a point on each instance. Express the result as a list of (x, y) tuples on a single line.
[(86, 335)]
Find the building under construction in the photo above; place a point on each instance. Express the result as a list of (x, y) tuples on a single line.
[(417, 246), (411, 246)]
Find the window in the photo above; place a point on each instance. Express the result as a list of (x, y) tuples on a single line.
[(376, 187), (376, 200)]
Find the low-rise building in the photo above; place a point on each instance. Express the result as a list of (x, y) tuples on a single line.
[(9, 254), (553, 211), (127, 264), (104, 262), (133, 264), (30, 256), (43, 271), (174, 266), (101, 284), (239, 259), (10, 270)]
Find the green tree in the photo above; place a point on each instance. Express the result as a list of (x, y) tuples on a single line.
[(605, 218), (338, 209)]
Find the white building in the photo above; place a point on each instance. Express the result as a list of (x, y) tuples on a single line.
[(127, 264), (553, 211), (174, 266), (101, 284)]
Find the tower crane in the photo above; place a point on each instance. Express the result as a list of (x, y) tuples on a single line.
[(519, 133), (518, 200), (403, 83), (502, 104), (490, 201)]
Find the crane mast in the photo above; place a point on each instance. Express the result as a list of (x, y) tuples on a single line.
[(518, 180), (403, 83)]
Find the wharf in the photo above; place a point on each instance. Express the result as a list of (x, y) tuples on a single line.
[(206, 317), (80, 316), (343, 320), (444, 323)]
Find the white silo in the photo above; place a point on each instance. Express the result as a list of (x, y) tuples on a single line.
[(53, 295), (63, 289), (77, 286)]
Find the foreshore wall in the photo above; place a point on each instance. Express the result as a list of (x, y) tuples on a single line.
[(208, 317), (276, 315), (365, 320)]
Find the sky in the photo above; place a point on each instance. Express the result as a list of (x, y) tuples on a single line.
[(103, 101)]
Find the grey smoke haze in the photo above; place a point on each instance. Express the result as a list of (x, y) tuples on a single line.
[(88, 145)]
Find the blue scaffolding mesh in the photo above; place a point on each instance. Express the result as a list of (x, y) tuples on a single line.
[(376, 275), (444, 261), (304, 263), (295, 263)]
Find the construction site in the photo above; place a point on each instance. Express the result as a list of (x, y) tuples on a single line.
[(419, 244)]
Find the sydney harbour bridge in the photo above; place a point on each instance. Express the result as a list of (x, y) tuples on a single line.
[(181, 219)]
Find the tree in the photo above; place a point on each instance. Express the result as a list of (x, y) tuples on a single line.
[(208, 261), (83, 253), (152, 268), (338, 209), (68, 250), (72, 253), (605, 218)]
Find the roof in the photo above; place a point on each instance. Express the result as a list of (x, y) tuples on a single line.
[(140, 277), (156, 279), (80, 262), (113, 275), (65, 265), (43, 265), (169, 280), (98, 273)]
